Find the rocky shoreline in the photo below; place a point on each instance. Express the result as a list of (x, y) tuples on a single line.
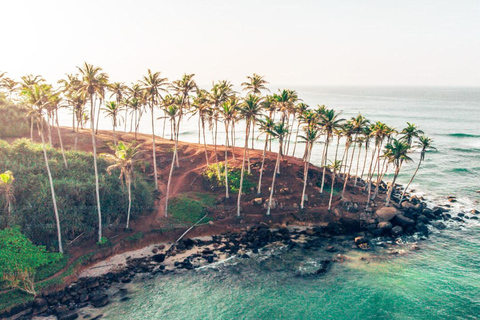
[(387, 224)]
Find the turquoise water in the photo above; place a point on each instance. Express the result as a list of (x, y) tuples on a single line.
[(441, 281)]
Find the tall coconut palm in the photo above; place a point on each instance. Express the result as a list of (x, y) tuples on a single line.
[(173, 112), (250, 110), (118, 89), (201, 108), (396, 153), (36, 96), (280, 130), (425, 144), (329, 120), (300, 110), (112, 110), (378, 131), (357, 125), (266, 126), (310, 137), (92, 84), (7, 188), (334, 167), (255, 84), (54, 101), (228, 112), (125, 158), (69, 88), (154, 84), (410, 132)]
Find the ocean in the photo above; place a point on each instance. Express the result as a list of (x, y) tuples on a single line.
[(440, 281)]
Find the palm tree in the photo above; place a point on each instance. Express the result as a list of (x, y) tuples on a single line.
[(36, 96), (228, 111), (54, 101), (153, 84), (93, 83), (311, 135), (330, 122), (425, 144), (7, 188), (201, 107), (125, 159), (266, 126), (357, 125), (112, 110), (173, 112), (255, 84), (118, 90), (280, 130), (396, 153), (300, 110), (250, 111), (334, 167), (410, 132), (379, 130)]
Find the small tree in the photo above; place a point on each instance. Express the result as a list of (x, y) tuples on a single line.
[(19, 259), (7, 188)]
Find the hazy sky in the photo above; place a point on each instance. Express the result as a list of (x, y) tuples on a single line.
[(384, 42)]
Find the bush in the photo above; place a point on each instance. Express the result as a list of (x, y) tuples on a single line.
[(234, 174), (189, 208), (12, 114), (20, 259), (74, 189)]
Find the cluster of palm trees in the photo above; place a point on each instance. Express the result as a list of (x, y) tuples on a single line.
[(279, 116)]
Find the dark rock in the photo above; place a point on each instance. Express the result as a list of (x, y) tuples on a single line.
[(385, 225), (99, 300), (324, 266), (439, 225), (158, 257), (403, 221), (474, 217), (330, 249), (422, 228), (40, 305), (397, 231), (461, 214), (360, 240), (386, 213), (422, 218)]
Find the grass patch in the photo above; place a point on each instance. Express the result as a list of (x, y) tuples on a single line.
[(50, 269), (14, 298), (135, 238), (189, 208), (234, 174)]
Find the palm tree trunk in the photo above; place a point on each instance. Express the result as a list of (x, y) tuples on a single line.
[(97, 186), (364, 161), (390, 190), (358, 165), (261, 168), (226, 161), (205, 142), (296, 139), (277, 164), (247, 131), (154, 148), (331, 190), (98, 115), (349, 169), (324, 162), (129, 183), (411, 179), (52, 189), (170, 176), (60, 139), (31, 128), (126, 115), (305, 176)]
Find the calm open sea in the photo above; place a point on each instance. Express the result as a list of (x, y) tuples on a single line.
[(441, 281)]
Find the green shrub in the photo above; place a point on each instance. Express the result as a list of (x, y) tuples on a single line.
[(234, 174), (74, 189), (189, 208), (18, 124), (20, 259), (135, 238)]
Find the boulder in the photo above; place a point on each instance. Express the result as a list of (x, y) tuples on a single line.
[(386, 213), (40, 305), (99, 300), (397, 231), (403, 221), (422, 228), (384, 225), (407, 205), (360, 240), (422, 218), (330, 249), (158, 257), (258, 201)]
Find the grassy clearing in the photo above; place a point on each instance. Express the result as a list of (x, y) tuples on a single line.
[(189, 208)]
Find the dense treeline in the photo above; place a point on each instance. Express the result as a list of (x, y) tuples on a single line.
[(75, 193)]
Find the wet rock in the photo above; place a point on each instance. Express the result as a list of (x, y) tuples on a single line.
[(397, 231), (364, 246), (423, 219), (360, 240), (386, 213), (324, 266), (63, 313), (330, 249), (473, 211), (439, 225), (403, 221), (474, 218), (461, 214), (422, 228), (407, 205)]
